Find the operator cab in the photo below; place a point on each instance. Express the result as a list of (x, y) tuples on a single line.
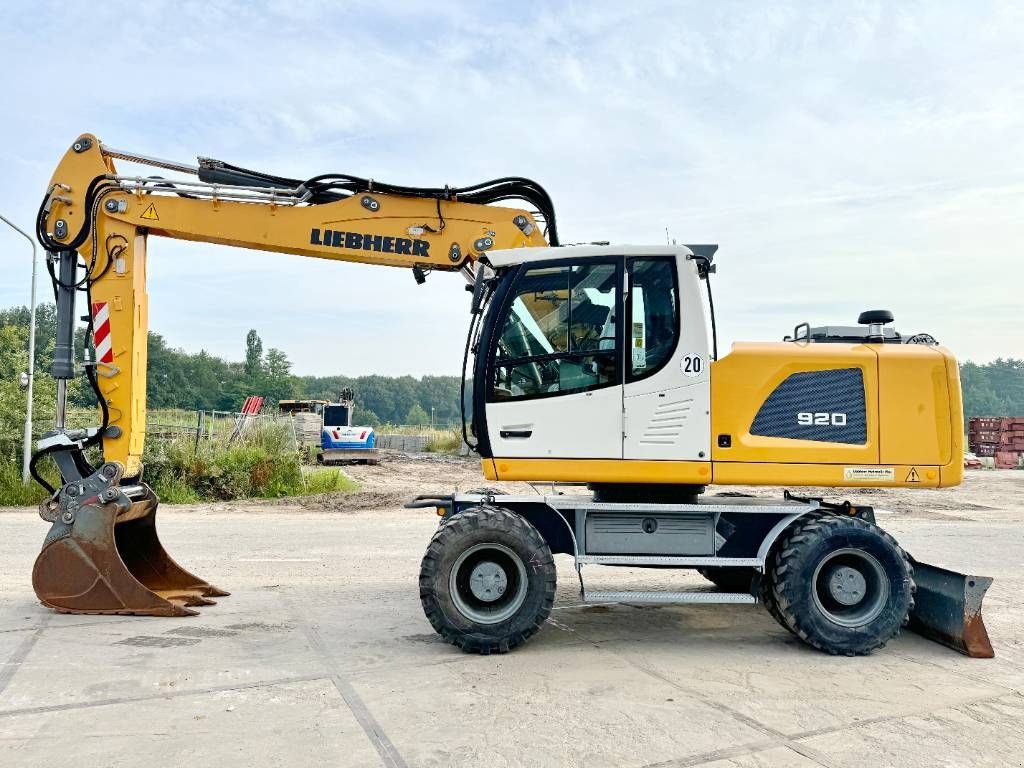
[(593, 352)]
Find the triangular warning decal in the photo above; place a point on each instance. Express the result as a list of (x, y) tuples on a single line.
[(913, 477), (150, 213)]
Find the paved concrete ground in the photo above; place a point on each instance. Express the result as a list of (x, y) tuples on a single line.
[(322, 656)]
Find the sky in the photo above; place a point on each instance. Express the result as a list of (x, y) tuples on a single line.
[(845, 156)]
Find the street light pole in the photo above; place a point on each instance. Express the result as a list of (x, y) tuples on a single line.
[(27, 448)]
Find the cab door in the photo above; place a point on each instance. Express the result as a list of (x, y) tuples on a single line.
[(666, 398), (554, 377)]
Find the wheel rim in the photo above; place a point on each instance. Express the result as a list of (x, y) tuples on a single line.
[(850, 587), (488, 583)]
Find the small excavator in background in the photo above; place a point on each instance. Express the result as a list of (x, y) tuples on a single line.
[(324, 430), (342, 443), (593, 365)]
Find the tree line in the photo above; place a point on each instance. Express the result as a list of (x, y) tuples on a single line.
[(993, 389), (199, 380)]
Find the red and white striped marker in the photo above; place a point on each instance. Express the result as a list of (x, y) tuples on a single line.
[(101, 332)]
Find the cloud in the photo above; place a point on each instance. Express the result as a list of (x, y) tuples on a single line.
[(845, 157)]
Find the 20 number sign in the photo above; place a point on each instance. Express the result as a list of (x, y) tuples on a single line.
[(692, 365)]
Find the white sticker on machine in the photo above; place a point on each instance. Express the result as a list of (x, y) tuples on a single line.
[(692, 365), (870, 474)]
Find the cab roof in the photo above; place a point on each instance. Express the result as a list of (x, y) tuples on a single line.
[(508, 257)]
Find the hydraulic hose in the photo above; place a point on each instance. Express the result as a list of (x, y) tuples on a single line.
[(329, 187)]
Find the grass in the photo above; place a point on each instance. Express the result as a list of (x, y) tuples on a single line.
[(13, 493), (443, 440), (439, 439), (262, 463), (413, 429), (328, 480)]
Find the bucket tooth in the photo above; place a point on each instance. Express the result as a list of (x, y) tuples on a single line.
[(947, 609), (109, 560), (188, 598)]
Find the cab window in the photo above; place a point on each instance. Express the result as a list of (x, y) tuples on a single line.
[(653, 311), (559, 335)]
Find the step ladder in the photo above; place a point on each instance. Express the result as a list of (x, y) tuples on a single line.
[(699, 596), (691, 597)]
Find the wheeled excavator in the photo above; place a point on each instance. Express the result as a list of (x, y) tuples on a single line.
[(595, 369)]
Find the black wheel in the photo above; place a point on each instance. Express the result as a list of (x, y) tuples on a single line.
[(487, 582), (767, 596), (729, 578), (841, 584)]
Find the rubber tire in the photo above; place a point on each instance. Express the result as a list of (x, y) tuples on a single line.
[(767, 596), (466, 529), (802, 547), (729, 578)]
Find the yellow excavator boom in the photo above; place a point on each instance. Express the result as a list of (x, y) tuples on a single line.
[(102, 553), (119, 213)]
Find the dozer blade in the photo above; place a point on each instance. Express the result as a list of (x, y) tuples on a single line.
[(947, 609), (104, 556)]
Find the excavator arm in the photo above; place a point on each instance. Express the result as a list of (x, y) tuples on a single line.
[(95, 214), (102, 553)]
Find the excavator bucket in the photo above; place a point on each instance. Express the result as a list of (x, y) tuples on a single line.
[(103, 555), (947, 609)]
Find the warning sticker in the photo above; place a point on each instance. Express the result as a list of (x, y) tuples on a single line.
[(912, 476), (869, 474), (150, 213)]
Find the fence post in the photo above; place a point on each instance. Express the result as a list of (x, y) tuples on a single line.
[(199, 430)]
